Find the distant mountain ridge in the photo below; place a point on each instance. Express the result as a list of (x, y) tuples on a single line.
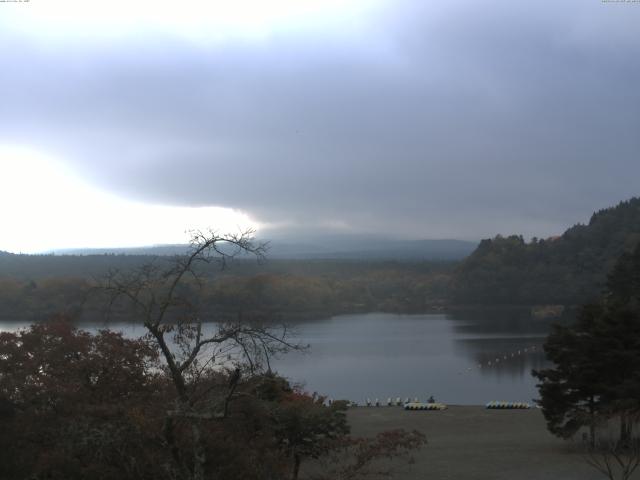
[(336, 248), (381, 249), (162, 250), (569, 269)]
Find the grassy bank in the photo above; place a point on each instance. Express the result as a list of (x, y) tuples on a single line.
[(470, 442)]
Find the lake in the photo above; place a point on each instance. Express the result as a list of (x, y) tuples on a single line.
[(462, 358), (466, 359)]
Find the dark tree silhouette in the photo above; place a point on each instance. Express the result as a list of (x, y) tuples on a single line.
[(597, 361)]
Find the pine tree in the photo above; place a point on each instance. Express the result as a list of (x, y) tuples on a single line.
[(570, 392), (596, 376)]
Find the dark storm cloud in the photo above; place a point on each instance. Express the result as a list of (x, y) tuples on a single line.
[(456, 120)]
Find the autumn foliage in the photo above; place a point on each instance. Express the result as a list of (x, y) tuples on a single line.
[(76, 405), (72, 402)]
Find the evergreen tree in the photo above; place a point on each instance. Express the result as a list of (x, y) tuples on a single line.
[(597, 360), (570, 392)]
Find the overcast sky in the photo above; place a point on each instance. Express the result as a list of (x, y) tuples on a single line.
[(420, 119)]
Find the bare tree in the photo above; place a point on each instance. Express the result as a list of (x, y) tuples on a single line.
[(614, 460), (612, 456), (164, 295)]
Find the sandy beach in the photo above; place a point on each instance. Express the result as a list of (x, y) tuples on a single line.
[(471, 442)]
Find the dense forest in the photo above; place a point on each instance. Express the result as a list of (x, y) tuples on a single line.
[(34, 287), (569, 269)]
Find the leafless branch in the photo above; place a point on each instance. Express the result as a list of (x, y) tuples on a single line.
[(156, 293)]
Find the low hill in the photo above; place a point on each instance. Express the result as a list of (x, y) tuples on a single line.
[(569, 269)]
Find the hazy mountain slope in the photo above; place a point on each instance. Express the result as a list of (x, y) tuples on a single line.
[(381, 249), (347, 247)]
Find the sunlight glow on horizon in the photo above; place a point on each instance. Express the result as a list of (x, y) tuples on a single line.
[(194, 19), (46, 207)]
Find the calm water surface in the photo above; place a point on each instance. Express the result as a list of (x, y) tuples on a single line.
[(383, 355), (379, 355)]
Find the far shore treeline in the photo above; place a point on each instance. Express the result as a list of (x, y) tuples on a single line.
[(567, 270)]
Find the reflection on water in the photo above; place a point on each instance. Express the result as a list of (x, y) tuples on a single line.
[(513, 357), (461, 358), (503, 342), (501, 321)]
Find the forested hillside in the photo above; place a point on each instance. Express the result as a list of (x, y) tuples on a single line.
[(569, 269), (33, 287)]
